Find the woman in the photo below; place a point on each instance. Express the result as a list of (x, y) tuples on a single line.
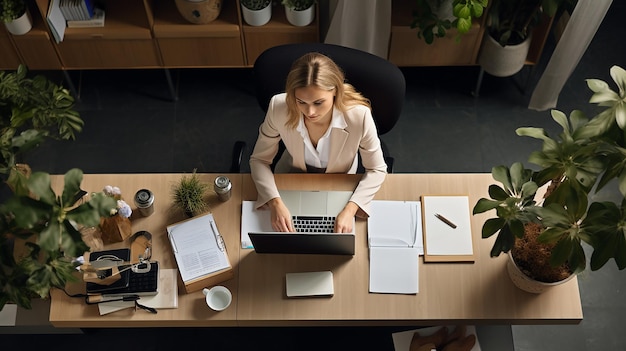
[(324, 124)]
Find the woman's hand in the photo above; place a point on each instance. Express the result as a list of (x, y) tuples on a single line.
[(280, 216), (345, 219)]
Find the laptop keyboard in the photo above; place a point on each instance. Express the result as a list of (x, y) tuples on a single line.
[(313, 224)]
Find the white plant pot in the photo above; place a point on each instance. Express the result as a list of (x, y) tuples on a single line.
[(527, 284), (502, 61), (257, 17), (300, 18), (21, 25)]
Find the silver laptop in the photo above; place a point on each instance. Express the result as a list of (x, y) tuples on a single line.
[(313, 214)]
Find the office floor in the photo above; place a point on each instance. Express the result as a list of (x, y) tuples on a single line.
[(132, 126)]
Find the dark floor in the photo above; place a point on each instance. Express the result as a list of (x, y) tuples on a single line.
[(132, 126)]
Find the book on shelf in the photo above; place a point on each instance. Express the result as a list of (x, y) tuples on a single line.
[(97, 20)]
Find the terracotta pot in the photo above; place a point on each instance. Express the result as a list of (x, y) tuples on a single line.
[(526, 283)]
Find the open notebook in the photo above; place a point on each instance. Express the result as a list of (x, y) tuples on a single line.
[(394, 232)]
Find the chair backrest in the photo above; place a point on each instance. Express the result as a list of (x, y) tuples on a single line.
[(376, 78)]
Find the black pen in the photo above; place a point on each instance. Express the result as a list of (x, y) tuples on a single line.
[(445, 220)]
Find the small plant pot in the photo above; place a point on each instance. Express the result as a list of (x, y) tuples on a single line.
[(199, 11), (21, 25), (300, 18), (502, 61), (257, 18), (526, 283)]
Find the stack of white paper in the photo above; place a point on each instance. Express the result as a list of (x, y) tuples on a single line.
[(395, 242)]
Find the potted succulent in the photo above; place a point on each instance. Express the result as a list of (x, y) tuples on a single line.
[(38, 236), (510, 24), (189, 194), (433, 18), (587, 157), (299, 13), (31, 110), (15, 16), (256, 12)]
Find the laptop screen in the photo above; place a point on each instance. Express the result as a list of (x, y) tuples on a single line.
[(303, 243)]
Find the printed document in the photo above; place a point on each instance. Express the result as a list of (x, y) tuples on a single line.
[(198, 247), (395, 243)]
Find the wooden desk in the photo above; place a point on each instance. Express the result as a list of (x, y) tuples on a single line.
[(449, 293), (474, 293), (192, 309)]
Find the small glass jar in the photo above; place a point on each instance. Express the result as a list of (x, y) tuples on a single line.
[(222, 188), (144, 200)]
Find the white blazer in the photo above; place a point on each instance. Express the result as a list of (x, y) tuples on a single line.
[(360, 136)]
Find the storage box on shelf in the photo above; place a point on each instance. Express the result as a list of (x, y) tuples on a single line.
[(184, 44), (277, 31)]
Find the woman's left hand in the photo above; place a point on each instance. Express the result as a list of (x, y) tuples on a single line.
[(345, 219)]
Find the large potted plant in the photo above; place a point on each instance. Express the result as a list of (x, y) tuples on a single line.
[(510, 24), (433, 18), (39, 239), (15, 16), (589, 156), (31, 110)]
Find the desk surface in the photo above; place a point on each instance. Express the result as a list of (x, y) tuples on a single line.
[(470, 293)]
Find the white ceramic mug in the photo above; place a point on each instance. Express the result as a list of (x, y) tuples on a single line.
[(218, 298)]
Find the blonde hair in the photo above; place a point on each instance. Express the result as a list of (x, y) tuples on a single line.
[(315, 69)]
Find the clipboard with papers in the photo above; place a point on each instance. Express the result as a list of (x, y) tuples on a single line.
[(394, 231), (200, 252)]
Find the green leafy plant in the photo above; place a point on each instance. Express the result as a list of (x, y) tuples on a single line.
[(38, 237), (255, 5), (189, 193), (11, 10), (298, 5), (430, 24), (587, 156), (510, 22), (31, 110)]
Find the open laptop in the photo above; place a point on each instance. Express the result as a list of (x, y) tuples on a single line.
[(307, 207)]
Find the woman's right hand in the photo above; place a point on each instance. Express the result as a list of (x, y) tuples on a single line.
[(280, 216)]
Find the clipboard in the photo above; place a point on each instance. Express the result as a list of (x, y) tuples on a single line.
[(447, 229), (200, 252)]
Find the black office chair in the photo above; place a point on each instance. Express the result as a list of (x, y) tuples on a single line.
[(376, 78)]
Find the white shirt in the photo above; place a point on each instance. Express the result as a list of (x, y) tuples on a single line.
[(318, 157)]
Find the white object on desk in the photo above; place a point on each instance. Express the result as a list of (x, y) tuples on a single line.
[(254, 221), (8, 315), (395, 243), (198, 247), (310, 284), (447, 228)]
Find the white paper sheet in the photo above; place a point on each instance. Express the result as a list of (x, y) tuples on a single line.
[(253, 221), (198, 247), (395, 242), (8, 315), (440, 238)]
